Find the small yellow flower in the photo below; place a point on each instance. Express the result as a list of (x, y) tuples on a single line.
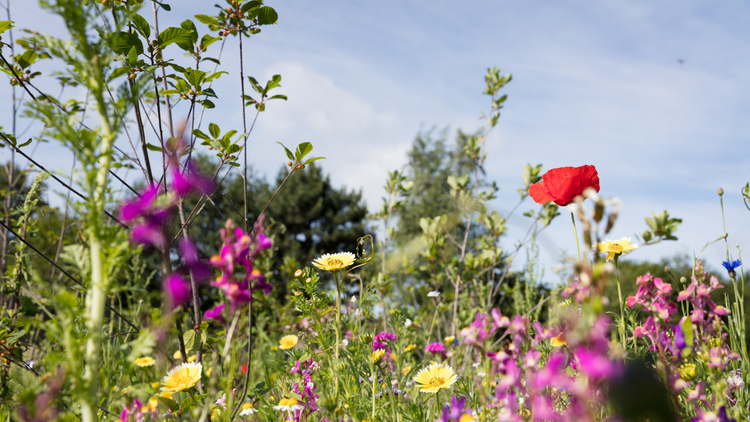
[(126, 390), (182, 377), (393, 356), (435, 378), (145, 361), (287, 342), (177, 355), (155, 385), (466, 418), (209, 372), (450, 340), (288, 405), (558, 340), (215, 412), (687, 371), (192, 358), (271, 398), (616, 247), (335, 262), (410, 347), (150, 407), (406, 370), (376, 356)]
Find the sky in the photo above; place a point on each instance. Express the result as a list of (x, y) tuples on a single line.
[(653, 93)]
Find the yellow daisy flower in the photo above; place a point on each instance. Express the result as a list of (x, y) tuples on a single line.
[(182, 377), (558, 340), (287, 342), (435, 378), (616, 247), (145, 361), (466, 418), (376, 356), (335, 262), (410, 348)]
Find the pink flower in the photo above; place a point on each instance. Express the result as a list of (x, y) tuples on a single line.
[(177, 290), (215, 313), (435, 348)]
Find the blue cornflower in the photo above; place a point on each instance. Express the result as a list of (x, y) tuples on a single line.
[(731, 265)]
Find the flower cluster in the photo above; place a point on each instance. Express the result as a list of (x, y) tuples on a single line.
[(239, 251), (305, 388)]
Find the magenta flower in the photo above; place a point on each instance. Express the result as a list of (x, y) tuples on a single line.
[(475, 334), (215, 313), (436, 348), (189, 180), (177, 290)]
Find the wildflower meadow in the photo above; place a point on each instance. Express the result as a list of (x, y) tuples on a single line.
[(197, 291)]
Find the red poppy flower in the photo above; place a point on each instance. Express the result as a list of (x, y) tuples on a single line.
[(563, 184)]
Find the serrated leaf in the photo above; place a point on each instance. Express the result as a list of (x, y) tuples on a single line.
[(141, 25)]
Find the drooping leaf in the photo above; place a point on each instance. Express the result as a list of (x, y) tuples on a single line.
[(288, 152)]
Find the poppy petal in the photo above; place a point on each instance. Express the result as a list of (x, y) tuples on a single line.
[(539, 193)]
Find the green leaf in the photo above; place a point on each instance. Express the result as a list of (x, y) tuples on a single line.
[(122, 42), (273, 83), (304, 149), (25, 143), (153, 147), (256, 85), (5, 25), (118, 72), (267, 16), (313, 159), (189, 338), (195, 77), (141, 25), (163, 6), (190, 26), (27, 59), (199, 134), (133, 57), (214, 130), (209, 92), (208, 20), (207, 104), (281, 97), (288, 153), (171, 404), (215, 75), (250, 5), (172, 34)]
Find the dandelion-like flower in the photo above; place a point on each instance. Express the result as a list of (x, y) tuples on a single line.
[(335, 262), (288, 405), (435, 378), (287, 342), (145, 361), (616, 247), (248, 409), (558, 340), (376, 356), (182, 377)]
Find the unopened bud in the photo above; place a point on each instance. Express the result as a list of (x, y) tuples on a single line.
[(725, 235), (308, 280), (667, 268), (720, 191), (683, 280), (298, 273)]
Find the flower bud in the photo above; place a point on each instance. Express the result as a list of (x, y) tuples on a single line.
[(720, 191), (683, 280), (298, 273), (667, 268)]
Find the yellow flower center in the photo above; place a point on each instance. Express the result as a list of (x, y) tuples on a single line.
[(436, 382), (615, 247), (335, 262), (247, 406)]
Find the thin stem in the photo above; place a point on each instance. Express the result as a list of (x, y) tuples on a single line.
[(338, 329), (619, 295), (575, 233), (724, 224)]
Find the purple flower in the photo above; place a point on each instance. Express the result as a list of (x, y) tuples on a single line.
[(385, 336), (723, 415), (215, 313), (189, 181), (148, 234), (177, 290), (264, 242), (200, 269), (435, 348)]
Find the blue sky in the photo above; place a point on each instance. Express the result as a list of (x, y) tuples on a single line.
[(593, 83)]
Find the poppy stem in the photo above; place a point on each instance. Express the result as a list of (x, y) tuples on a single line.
[(575, 232)]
